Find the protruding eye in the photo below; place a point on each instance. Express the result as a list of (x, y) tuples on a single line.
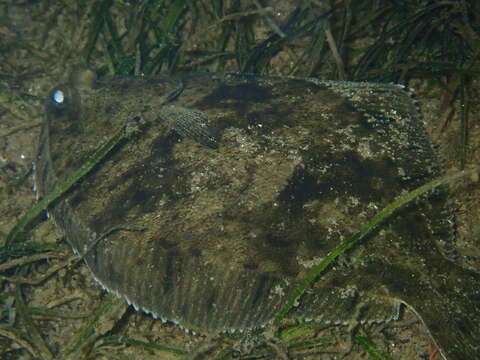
[(58, 97)]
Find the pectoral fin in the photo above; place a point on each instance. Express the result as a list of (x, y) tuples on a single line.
[(190, 123)]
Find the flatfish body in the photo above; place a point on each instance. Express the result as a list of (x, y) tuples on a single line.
[(242, 184)]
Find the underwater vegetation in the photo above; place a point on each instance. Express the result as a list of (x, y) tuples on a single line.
[(239, 166)]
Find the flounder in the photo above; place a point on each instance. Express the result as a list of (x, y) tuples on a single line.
[(242, 183)]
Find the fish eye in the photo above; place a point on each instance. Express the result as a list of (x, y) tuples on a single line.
[(59, 98)]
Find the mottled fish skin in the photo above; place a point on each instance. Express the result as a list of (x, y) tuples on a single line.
[(243, 183)]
